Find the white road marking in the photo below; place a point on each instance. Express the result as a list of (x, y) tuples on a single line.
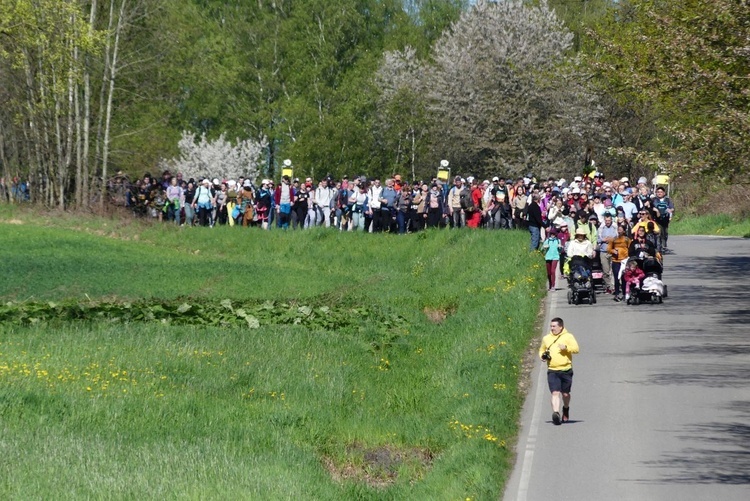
[(528, 455)]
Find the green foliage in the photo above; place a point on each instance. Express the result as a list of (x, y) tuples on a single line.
[(687, 62), (347, 389), (186, 311), (580, 16)]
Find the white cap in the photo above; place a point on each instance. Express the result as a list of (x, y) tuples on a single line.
[(495, 179)]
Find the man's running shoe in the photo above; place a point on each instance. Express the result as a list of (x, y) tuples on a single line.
[(556, 418)]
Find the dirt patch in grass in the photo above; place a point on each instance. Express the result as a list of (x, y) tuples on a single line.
[(438, 315), (379, 467)]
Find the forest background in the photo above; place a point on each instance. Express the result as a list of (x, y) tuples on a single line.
[(376, 87)]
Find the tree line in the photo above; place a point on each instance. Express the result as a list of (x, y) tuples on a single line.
[(375, 87)]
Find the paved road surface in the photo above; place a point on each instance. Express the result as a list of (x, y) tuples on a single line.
[(660, 404)]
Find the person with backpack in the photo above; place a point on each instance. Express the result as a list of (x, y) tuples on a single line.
[(403, 206), (203, 202), (342, 204), (175, 198), (246, 202), (264, 203), (663, 211), (284, 198), (360, 207)]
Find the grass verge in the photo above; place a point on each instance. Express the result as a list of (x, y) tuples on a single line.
[(414, 394), (713, 224)]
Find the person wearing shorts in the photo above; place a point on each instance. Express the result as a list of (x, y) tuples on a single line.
[(557, 350)]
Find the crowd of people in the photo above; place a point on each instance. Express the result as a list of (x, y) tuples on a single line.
[(609, 225), (591, 216), (543, 207)]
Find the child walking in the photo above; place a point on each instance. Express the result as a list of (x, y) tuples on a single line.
[(551, 247)]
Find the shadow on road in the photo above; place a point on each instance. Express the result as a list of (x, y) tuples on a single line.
[(725, 458), (718, 452)]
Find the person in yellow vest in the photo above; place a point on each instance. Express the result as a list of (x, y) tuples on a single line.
[(557, 350)]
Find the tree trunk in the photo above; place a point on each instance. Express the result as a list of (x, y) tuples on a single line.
[(110, 94), (83, 181)]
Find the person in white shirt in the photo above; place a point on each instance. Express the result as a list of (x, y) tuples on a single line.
[(372, 223), (323, 198)]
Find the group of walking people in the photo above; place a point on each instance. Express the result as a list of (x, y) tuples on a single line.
[(607, 228)]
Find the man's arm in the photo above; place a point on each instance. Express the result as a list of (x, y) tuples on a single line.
[(570, 343)]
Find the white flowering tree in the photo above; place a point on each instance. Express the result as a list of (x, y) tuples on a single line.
[(500, 93), (216, 159)]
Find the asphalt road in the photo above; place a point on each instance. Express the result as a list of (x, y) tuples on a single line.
[(660, 405)]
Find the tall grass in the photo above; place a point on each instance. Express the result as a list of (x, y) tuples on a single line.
[(712, 224), (426, 409)]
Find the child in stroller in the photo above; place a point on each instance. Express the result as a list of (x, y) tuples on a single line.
[(580, 281), (632, 277), (643, 281)]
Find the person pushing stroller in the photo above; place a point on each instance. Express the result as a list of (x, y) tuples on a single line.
[(581, 252), (582, 247)]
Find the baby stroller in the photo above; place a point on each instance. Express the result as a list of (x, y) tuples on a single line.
[(580, 281), (597, 273), (652, 290)]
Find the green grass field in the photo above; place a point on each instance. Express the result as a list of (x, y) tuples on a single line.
[(395, 376)]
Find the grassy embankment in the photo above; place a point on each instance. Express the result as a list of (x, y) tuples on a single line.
[(712, 224), (411, 392)]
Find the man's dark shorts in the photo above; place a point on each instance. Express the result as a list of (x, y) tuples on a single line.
[(560, 380)]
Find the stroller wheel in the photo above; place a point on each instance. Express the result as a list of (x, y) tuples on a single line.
[(570, 297), (593, 297), (665, 291)]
